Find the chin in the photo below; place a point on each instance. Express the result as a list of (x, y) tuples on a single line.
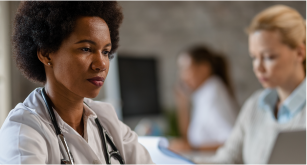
[(268, 85), (92, 93)]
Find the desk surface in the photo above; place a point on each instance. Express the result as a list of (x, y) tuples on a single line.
[(195, 156)]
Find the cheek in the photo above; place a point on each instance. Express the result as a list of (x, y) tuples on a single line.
[(271, 67), (278, 70), (186, 77), (254, 65), (258, 66), (107, 62), (69, 71), (275, 71)]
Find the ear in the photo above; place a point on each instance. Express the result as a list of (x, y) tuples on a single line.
[(44, 58), (301, 52)]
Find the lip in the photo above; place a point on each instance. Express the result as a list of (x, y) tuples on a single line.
[(97, 81), (263, 79)]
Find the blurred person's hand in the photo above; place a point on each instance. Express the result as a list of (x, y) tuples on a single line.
[(182, 96), (182, 99), (179, 145)]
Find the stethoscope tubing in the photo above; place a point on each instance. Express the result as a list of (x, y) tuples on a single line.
[(67, 156), (50, 111), (106, 138)]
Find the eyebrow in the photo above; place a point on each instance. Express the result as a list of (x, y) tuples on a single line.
[(91, 42), (109, 44)]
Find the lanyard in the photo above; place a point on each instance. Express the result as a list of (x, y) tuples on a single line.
[(104, 136)]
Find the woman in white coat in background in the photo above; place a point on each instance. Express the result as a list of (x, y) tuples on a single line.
[(67, 47), (206, 122)]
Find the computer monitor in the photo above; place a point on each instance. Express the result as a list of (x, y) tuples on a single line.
[(138, 86)]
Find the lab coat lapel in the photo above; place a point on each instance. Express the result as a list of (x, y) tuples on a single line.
[(83, 152)]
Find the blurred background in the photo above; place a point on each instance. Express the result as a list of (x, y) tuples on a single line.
[(141, 81)]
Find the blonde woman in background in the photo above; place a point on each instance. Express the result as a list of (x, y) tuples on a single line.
[(277, 38)]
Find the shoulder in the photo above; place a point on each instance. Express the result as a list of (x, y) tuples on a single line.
[(254, 98), (215, 87), (250, 106), (216, 83), (23, 121), (101, 108), (23, 131), (27, 118), (213, 91), (23, 115)]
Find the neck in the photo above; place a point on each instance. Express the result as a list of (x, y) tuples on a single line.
[(285, 90), (201, 82), (67, 104)]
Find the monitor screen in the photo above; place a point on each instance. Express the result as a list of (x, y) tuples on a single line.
[(138, 86)]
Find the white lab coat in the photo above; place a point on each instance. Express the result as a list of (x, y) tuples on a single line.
[(213, 115), (28, 136)]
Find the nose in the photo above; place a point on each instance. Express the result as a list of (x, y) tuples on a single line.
[(99, 62), (258, 65)]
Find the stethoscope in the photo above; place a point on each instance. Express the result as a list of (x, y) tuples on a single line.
[(67, 156)]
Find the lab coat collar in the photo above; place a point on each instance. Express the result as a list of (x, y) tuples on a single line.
[(35, 103), (88, 110)]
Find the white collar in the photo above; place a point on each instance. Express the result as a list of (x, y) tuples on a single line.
[(35, 103)]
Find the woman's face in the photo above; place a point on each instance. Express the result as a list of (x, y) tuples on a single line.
[(274, 63), (191, 74), (81, 64)]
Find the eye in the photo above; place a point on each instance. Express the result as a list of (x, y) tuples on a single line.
[(270, 57), (106, 53), (86, 49)]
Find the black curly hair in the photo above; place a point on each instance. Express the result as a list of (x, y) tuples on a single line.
[(43, 25)]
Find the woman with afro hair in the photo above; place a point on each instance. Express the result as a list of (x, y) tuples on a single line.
[(67, 47)]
